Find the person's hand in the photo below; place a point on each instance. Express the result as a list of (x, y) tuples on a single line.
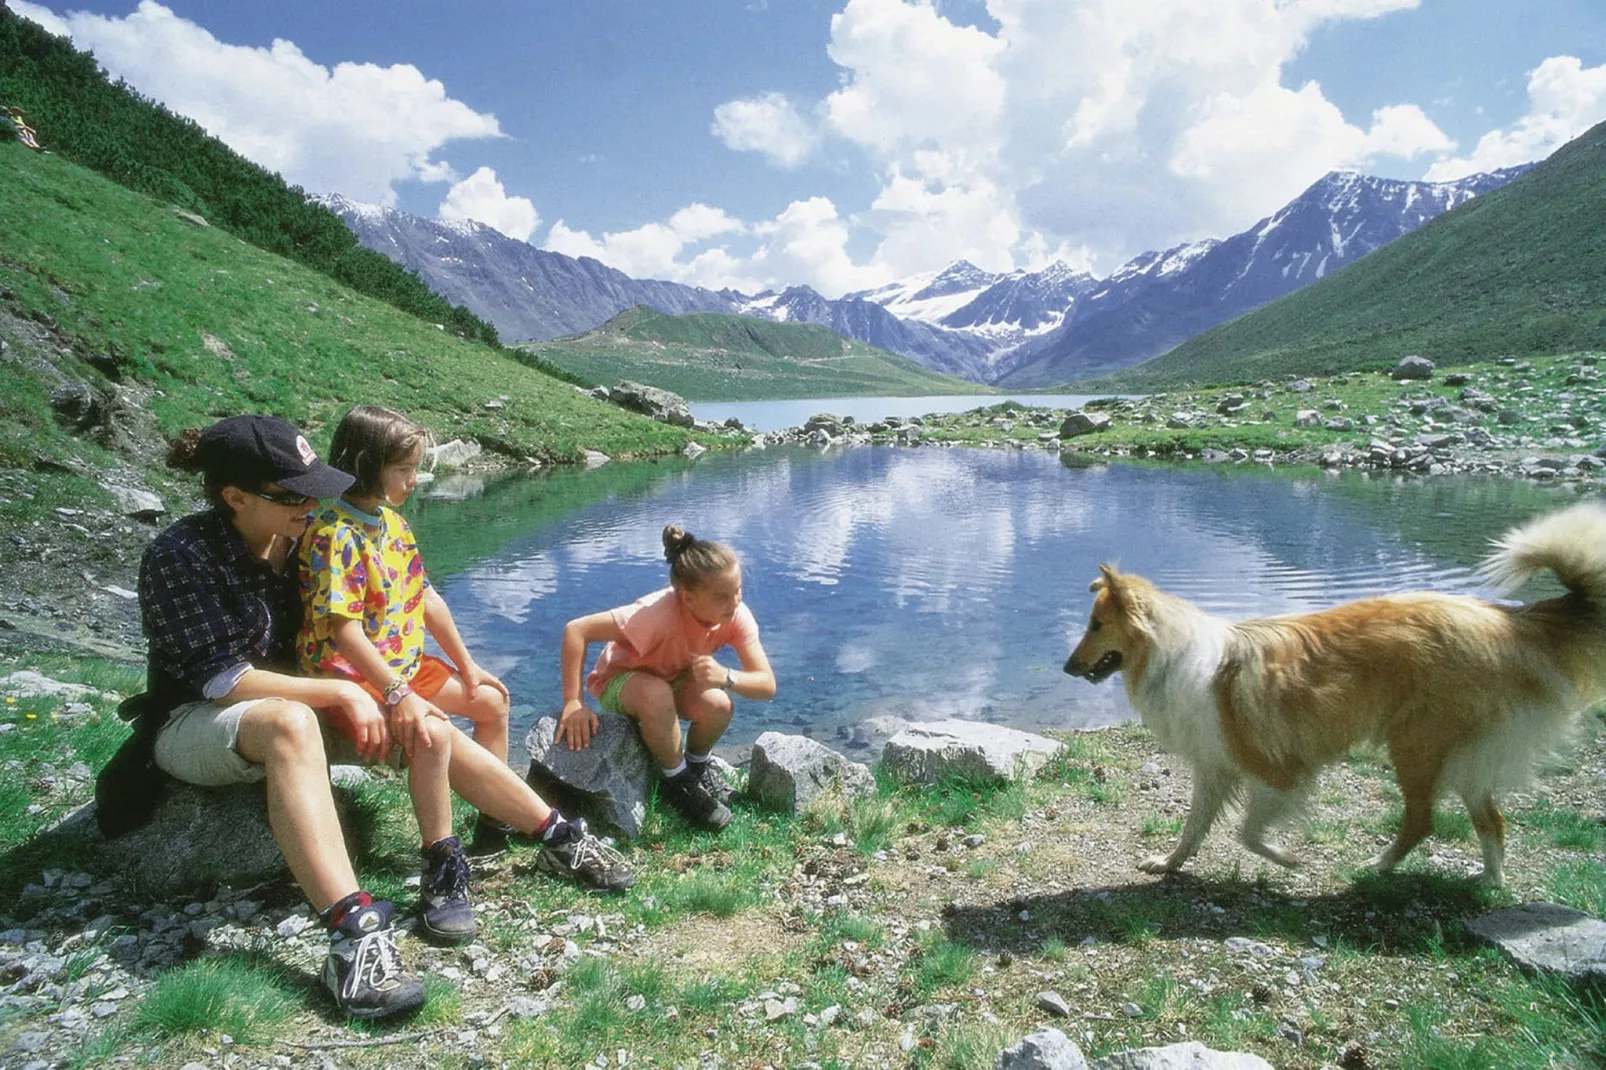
[(366, 723), (708, 674), (475, 677), (407, 719), (576, 725)]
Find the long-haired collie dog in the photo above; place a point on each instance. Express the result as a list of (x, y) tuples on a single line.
[(1465, 694)]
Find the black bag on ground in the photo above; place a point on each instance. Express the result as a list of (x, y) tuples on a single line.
[(131, 786)]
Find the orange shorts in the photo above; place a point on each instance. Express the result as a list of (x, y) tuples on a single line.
[(426, 682)]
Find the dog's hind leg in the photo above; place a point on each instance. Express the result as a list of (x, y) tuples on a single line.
[(1490, 825), (1267, 806), (1212, 789)]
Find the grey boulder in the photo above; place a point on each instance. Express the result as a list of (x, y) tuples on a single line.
[(1046, 1049), (1547, 938), (1413, 367), (198, 837), (789, 772), (1082, 423), (608, 783), (662, 405), (926, 752)]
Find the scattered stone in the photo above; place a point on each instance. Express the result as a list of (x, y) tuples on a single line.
[(1053, 1003), (1189, 1056), (1413, 367), (1307, 418), (694, 450), (789, 773), (136, 503), (455, 454), (1547, 938)]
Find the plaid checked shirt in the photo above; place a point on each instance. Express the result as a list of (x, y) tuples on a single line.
[(208, 605)]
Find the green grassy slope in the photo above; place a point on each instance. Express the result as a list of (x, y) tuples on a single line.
[(710, 357), (140, 144), (205, 325), (1521, 270)]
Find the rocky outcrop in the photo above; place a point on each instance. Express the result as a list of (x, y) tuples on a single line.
[(927, 752), (1050, 1049), (661, 405), (788, 773)]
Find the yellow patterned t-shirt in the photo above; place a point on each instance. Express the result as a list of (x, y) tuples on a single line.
[(358, 566)]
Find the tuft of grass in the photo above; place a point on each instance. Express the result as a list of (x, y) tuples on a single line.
[(1158, 825), (965, 1045), (1580, 884), (238, 995), (705, 891), (942, 963), (1564, 828), (1054, 949)]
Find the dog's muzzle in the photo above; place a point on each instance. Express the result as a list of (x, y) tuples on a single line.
[(1100, 670)]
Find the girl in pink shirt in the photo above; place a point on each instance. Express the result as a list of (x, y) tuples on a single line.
[(658, 669)]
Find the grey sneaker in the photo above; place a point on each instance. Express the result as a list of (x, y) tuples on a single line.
[(713, 783), (446, 912), (685, 792), (364, 970), (582, 857)]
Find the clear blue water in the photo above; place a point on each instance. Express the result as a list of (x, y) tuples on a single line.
[(794, 412), (929, 583)]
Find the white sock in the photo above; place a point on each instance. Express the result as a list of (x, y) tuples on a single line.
[(699, 759), (679, 768)]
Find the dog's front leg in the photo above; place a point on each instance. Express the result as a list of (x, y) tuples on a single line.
[(1212, 789)]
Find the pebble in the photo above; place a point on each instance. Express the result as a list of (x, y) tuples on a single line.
[(1053, 1003)]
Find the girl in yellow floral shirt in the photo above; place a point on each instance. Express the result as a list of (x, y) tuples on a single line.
[(369, 605)]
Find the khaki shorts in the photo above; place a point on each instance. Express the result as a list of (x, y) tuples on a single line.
[(199, 745)]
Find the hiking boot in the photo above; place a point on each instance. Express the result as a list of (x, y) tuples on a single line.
[(364, 969), (491, 838), (713, 783), (582, 857), (685, 792), (446, 912)]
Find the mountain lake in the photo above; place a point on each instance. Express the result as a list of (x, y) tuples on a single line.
[(930, 583), (794, 412)]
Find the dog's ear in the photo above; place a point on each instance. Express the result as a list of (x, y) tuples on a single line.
[(1109, 580)]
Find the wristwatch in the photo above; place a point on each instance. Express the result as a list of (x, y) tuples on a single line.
[(395, 693), (730, 680)]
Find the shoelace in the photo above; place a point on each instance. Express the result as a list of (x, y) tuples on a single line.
[(374, 963), (589, 849), (451, 880)]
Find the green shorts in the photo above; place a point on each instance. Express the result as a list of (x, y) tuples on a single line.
[(609, 699)]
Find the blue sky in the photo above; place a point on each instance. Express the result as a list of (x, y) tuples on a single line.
[(846, 143)]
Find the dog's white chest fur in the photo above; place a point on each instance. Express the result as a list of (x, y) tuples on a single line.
[(1175, 697)]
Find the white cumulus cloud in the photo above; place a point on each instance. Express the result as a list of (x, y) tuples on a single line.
[(656, 250), (356, 128), (768, 124), (1565, 98), (480, 197)]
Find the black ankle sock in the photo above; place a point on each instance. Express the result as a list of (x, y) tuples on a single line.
[(334, 915)]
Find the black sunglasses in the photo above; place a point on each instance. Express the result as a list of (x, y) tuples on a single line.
[(284, 497)]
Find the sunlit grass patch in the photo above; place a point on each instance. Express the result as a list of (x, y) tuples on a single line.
[(940, 963), (1161, 825), (237, 995), (1562, 827)]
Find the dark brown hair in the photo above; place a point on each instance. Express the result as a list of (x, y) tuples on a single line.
[(370, 437), (693, 560)]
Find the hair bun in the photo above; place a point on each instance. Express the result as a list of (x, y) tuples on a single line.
[(676, 542), (184, 452)]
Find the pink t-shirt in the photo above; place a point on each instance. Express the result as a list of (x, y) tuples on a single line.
[(662, 638)]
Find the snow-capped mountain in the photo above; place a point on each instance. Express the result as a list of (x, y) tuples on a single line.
[(1161, 299), (1001, 311), (1020, 329)]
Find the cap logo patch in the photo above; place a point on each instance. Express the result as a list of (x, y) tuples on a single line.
[(305, 448)]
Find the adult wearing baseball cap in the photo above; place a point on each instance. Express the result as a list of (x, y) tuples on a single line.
[(220, 606)]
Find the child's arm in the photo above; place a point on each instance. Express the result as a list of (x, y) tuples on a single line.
[(439, 623), (405, 717), (576, 724), (756, 680)]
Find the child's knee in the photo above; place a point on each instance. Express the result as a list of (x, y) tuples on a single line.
[(492, 706), (713, 703)]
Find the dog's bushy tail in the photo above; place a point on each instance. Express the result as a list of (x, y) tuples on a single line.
[(1571, 543)]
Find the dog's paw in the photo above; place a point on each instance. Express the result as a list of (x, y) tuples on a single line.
[(1273, 853), (1492, 879), (1158, 864)]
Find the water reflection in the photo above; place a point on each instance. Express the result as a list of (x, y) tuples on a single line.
[(925, 583)]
